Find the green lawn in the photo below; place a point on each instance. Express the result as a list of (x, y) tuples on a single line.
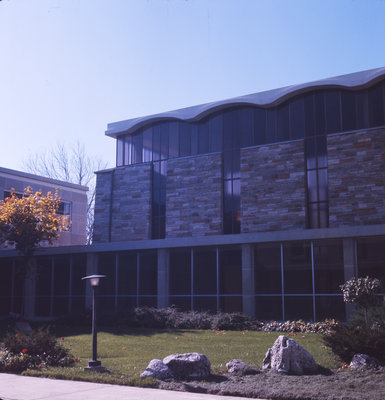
[(126, 353)]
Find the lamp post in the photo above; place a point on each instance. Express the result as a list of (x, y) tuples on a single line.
[(94, 364)]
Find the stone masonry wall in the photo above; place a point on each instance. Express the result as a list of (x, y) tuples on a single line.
[(131, 204), (356, 175), (194, 196), (273, 193)]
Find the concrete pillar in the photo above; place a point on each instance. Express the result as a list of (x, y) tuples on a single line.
[(163, 277), (92, 268), (248, 285), (350, 268)]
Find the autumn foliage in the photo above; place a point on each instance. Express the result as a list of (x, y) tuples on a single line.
[(30, 219)]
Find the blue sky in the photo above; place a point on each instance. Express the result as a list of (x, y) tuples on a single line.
[(69, 67)]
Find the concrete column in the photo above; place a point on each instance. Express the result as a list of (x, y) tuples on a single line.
[(248, 285), (350, 268), (163, 277), (92, 268)]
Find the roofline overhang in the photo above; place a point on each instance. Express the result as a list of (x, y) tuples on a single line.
[(266, 99)]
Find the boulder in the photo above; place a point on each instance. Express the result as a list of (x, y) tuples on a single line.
[(363, 361), (288, 357), (188, 365), (238, 367), (158, 370)]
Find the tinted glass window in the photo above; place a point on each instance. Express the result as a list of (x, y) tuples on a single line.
[(247, 126), (127, 274), (203, 137), (173, 139), (137, 143), (205, 272), (283, 123), (297, 118), (216, 132), (147, 145), (184, 139), (180, 271), (271, 126), (376, 106), (148, 273), (119, 151), (348, 104), (259, 126), (332, 109), (230, 271), (267, 262), (319, 113), (297, 268)]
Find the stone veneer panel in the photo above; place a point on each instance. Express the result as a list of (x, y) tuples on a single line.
[(131, 204), (273, 193), (356, 174), (194, 196)]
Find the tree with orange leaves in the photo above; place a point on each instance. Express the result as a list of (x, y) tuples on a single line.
[(30, 219)]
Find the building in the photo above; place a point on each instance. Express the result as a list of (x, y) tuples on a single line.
[(73, 203), (262, 204)]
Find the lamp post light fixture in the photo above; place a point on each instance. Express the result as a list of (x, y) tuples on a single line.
[(94, 364)]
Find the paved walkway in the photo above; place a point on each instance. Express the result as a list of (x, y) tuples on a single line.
[(16, 387)]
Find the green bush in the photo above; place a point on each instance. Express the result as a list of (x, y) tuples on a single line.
[(35, 350), (346, 340)]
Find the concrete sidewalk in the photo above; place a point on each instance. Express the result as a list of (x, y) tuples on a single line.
[(16, 387)]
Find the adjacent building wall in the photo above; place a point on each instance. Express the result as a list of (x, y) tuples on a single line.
[(273, 194), (194, 196), (356, 178), (123, 204)]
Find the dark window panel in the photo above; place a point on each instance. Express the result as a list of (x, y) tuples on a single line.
[(203, 137), (216, 133), (44, 275), (297, 118), (230, 304), (127, 274), (137, 147), (333, 111), (362, 109), (321, 152), (267, 264), (205, 271), (299, 307), (156, 143), (61, 275), (180, 272), (328, 307), (348, 108), (322, 184), (230, 272), (319, 113), (236, 206), (227, 165), (328, 267), (147, 145), (268, 308), (6, 277), (79, 263), (173, 139), (180, 303), (164, 130), (271, 126), (184, 139), (127, 150), (107, 266), (236, 163), (283, 123), (297, 268), (229, 122), (309, 115), (259, 126), (148, 273), (126, 303), (324, 214), (313, 215), (310, 153), (376, 106), (312, 186), (205, 303), (247, 126), (194, 139)]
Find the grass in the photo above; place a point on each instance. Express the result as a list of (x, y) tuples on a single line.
[(126, 353)]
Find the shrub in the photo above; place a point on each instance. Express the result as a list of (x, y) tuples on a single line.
[(363, 293), (38, 349), (231, 322), (345, 341)]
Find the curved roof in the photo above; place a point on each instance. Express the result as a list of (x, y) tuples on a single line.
[(265, 99)]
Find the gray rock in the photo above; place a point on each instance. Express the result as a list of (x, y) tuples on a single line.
[(363, 361), (158, 370), (288, 357), (188, 365), (238, 367)]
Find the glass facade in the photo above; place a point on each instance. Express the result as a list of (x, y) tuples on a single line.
[(292, 280)]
